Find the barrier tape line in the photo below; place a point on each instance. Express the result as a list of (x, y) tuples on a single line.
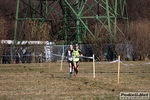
[(66, 56), (115, 61)]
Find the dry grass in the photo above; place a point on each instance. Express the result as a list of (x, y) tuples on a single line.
[(46, 82)]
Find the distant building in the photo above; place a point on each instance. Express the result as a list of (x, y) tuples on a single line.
[(25, 54)]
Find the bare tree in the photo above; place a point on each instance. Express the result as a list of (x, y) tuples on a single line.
[(139, 35)]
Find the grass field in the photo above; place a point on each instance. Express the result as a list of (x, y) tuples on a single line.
[(46, 81)]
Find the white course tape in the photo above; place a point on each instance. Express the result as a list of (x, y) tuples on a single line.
[(86, 57), (114, 61), (147, 63), (120, 62), (66, 56), (125, 64), (108, 62), (57, 55)]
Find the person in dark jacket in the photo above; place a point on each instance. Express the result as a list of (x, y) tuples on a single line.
[(69, 59)]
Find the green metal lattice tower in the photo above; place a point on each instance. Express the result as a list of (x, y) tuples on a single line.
[(104, 13), (77, 16), (33, 10)]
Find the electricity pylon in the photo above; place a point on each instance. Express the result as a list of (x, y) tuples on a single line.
[(88, 13), (76, 16)]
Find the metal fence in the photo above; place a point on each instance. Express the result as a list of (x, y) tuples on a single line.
[(39, 54)]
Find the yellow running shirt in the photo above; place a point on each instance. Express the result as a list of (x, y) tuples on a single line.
[(75, 55)]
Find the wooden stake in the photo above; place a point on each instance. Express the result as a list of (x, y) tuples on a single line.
[(93, 66), (61, 61), (41, 61), (118, 68)]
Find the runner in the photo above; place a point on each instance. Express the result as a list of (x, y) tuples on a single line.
[(76, 57), (69, 59)]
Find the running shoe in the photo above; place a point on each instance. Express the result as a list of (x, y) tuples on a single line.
[(70, 74)]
